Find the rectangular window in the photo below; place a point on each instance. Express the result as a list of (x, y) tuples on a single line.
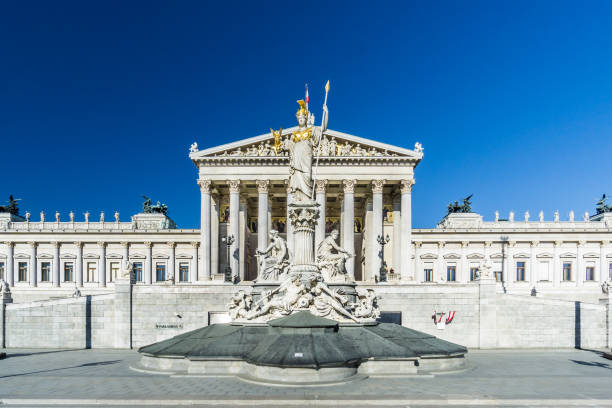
[(590, 273), (428, 277), (23, 271), (473, 273), (138, 271), (68, 271), (114, 271), (2, 271), (45, 271), (451, 273), (91, 271), (183, 272), (520, 271), (610, 271), (160, 272), (567, 271)]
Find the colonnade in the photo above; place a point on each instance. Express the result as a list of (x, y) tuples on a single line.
[(402, 213)]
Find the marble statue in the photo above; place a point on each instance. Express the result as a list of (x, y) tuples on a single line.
[(526, 216), (585, 216), (116, 216), (485, 270), (193, 148), (240, 305), (102, 216), (301, 153), (556, 216), (42, 216), (274, 260), (27, 216), (126, 271), (12, 207), (496, 216), (331, 258), (280, 301), (418, 147), (541, 216), (511, 216), (57, 216), (71, 216), (367, 307), (571, 216), (4, 287)]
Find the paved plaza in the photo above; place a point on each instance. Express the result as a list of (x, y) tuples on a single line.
[(507, 378)]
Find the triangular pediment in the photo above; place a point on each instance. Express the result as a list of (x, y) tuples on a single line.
[(333, 144)]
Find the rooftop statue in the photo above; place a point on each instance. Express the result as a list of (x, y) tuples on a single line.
[(158, 208), (12, 207), (602, 207), (466, 207)]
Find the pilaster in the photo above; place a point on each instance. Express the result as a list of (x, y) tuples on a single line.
[(205, 227), (348, 225), (406, 226)]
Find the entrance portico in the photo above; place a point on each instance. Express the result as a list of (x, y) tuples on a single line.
[(357, 182)]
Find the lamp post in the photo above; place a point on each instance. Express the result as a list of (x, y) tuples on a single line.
[(503, 277), (382, 273), (228, 241)]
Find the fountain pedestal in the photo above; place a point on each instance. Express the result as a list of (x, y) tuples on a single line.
[(303, 216)]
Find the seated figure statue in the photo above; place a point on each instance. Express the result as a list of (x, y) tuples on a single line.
[(274, 260), (331, 259)]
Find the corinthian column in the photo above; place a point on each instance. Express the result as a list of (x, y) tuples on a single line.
[(377, 228), (234, 188), (149, 263), (288, 225), (397, 234), (406, 225), (262, 214), (205, 229), (33, 264), (102, 274), (10, 264), (79, 264), (321, 186), (56, 264), (348, 225)]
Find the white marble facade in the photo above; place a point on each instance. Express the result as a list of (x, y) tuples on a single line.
[(364, 189)]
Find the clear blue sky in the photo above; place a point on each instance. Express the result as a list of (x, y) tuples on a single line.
[(99, 101)]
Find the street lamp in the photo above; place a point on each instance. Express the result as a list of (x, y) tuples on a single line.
[(382, 273), (228, 242)]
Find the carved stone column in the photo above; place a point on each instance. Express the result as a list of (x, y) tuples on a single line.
[(418, 272), (33, 264), (205, 227), (603, 267), (125, 257), (348, 225), (79, 263), (262, 214), (193, 276), (377, 229), (288, 225), (56, 264), (303, 217), (406, 226), (10, 263), (171, 274), (397, 235), (214, 235), (234, 221), (102, 270), (321, 186), (149, 263)]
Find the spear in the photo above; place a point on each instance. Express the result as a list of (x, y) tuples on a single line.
[(323, 119)]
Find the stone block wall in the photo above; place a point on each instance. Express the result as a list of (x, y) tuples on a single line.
[(532, 322), (483, 318)]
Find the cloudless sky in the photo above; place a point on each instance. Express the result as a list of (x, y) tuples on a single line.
[(99, 101)]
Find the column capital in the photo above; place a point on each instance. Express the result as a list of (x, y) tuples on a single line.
[(488, 244), (172, 244), (262, 186), (535, 243), (378, 185), (78, 244), (581, 243), (195, 244), (465, 244), (604, 242), (349, 186), (9, 244), (511, 244), (234, 186), (406, 185), (125, 244), (33, 244), (148, 244), (204, 185), (417, 244), (556, 243), (441, 244), (321, 185), (55, 244), (102, 244)]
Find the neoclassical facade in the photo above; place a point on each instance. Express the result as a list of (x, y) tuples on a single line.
[(364, 189)]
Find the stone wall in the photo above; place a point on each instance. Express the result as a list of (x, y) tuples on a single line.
[(528, 322), (483, 318)]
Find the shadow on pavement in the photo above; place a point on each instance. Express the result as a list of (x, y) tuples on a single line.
[(9, 354), (100, 363)]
